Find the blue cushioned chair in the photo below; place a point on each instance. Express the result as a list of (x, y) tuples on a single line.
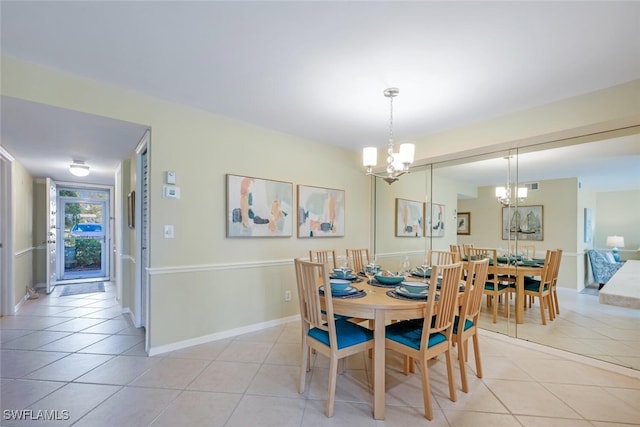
[(602, 265), (496, 285), (321, 331), (424, 340), (543, 288), (465, 325)]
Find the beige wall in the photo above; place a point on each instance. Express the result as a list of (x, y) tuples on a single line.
[(618, 213), (22, 230)]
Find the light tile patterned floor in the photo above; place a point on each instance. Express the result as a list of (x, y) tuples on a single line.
[(57, 355)]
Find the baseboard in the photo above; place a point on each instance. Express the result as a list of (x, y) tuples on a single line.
[(154, 351)]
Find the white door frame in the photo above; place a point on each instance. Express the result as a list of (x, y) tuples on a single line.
[(141, 290), (6, 234)]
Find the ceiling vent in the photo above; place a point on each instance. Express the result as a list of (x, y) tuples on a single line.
[(532, 186)]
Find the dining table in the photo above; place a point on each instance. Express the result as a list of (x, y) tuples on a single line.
[(379, 307)]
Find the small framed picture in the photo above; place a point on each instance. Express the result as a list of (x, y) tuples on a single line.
[(464, 223)]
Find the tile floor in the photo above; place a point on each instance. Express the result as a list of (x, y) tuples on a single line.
[(79, 356)]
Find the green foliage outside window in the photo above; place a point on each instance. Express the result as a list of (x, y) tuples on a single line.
[(88, 253)]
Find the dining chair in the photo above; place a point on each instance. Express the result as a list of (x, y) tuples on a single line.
[(456, 248), (422, 341), (358, 258), (495, 285), (465, 249), (542, 288), (465, 324), (321, 331), (554, 293), (435, 257), (327, 256), (528, 251)]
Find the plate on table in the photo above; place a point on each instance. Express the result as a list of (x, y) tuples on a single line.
[(401, 290), (349, 277), (348, 291), (418, 273)]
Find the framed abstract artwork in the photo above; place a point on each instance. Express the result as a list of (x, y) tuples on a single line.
[(321, 212), (409, 218), (522, 222), (464, 223), (435, 214), (258, 207)]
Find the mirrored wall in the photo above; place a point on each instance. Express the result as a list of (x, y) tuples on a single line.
[(563, 209)]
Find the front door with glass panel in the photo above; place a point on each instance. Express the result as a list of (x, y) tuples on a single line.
[(85, 223)]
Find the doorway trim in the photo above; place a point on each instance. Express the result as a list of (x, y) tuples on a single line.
[(141, 289)]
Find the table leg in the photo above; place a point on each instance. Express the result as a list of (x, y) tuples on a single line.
[(379, 365), (520, 298)]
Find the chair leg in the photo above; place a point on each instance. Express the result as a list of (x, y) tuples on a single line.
[(333, 378), (463, 368), (304, 367), (555, 301), (452, 384), (426, 390), (476, 353), (544, 320), (495, 310)]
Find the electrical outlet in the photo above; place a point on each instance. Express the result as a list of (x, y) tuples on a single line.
[(287, 295)]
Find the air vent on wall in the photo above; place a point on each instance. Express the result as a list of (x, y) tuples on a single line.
[(532, 186)]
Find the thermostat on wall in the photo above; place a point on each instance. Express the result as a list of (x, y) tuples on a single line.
[(170, 192), (171, 177)]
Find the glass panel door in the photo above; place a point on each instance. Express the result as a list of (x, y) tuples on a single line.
[(85, 242)]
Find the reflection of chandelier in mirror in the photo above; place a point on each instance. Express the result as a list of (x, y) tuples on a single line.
[(505, 194), (397, 163)]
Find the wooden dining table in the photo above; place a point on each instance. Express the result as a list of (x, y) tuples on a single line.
[(379, 307)]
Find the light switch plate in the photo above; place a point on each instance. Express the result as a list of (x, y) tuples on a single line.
[(168, 231), (171, 177)]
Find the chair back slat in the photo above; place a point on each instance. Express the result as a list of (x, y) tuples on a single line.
[(439, 316), (327, 256), (435, 257), (358, 258), (465, 249)]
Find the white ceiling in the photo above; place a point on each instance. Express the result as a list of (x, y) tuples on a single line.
[(312, 69)]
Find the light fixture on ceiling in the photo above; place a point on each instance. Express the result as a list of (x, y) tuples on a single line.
[(614, 242), (397, 163), (505, 194), (78, 168)]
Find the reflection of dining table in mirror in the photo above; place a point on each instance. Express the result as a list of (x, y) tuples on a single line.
[(520, 272)]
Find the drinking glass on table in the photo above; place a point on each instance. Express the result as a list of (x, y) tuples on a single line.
[(405, 267), (370, 270), (424, 268), (343, 264)]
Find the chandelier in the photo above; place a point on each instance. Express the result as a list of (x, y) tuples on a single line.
[(505, 195), (397, 163)]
